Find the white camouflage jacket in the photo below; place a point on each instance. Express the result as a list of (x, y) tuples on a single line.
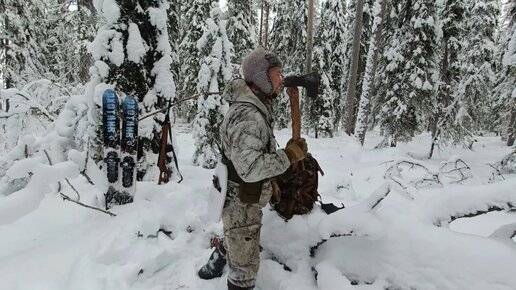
[(247, 135)]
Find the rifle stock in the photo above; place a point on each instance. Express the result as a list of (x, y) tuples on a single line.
[(164, 171)]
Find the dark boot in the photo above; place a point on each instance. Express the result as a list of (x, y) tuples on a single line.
[(234, 287), (215, 265)]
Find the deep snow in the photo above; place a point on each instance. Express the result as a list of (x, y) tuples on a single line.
[(48, 243)]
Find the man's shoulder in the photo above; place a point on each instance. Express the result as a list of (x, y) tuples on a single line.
[(244, 111)]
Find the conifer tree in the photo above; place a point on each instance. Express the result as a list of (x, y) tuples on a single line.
[(328, 61), (288, 41), (408, 94), (216, 70), (193, 18), (453, 16), (174, 31), (133, 55), (240, 28), (506, 89), (478, 74), (24, 58)]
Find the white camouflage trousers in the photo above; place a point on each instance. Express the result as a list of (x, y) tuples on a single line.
[(242, 225)]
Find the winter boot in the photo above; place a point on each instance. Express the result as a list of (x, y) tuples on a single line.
[(234, 287), (215, 265)]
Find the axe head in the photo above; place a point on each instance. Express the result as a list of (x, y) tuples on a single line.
[(309, 81)]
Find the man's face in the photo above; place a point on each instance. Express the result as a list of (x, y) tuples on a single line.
[(276, 79)]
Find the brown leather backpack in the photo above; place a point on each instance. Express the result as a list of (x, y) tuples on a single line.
[(298, 188)]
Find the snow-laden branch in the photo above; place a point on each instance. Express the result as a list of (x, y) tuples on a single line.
[(471, 201), (505, 232), (352, 221)]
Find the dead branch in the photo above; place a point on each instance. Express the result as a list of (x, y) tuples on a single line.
[(475, 212), (377, 197), (313, 249), (458, 166), (497, 171), (177, 103), (505, 232), (66, 197), (83, 172), (394, 174), (69, 183)]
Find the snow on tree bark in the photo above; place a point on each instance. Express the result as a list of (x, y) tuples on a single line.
[(370, 70)]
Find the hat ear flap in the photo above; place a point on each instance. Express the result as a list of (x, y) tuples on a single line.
[(255, 68)]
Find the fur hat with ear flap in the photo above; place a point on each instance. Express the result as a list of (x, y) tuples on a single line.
[(255, 67)]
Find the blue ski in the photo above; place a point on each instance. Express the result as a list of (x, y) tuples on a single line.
[(129, 147), (111, 138)]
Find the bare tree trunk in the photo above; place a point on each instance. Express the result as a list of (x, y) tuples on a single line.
[(350, 102), (443, 98), (310, 36), (512, 128), (7, 61), (370, 73), (263, 36), (266, 23), (260, 33), (86, 60)]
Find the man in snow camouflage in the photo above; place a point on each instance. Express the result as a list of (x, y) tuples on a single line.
[(250, 154)]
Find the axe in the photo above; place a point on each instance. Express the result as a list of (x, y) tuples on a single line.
[(311, 83)]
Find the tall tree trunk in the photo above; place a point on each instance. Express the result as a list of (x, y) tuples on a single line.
[(263, 36), (86, 60), (443, 98), (7, 61), (350, 103), (309, 36), (370, 73), (512, 127)]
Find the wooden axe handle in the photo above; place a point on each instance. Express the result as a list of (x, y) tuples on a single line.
[(296, 116)]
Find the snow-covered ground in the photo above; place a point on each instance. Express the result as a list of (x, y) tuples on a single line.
[(48, 243)]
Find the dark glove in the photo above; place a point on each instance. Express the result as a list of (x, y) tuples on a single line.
[(296, 150)]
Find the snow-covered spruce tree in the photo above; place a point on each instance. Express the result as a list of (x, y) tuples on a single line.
[(23, 58), (133, 55), (329, 62), (472, 96), (453, 16), (68, 31), (288, 41), (240, 28), (42, 40), (174, 32), (408, 96), (86, 30), (216, 71), (193, 18), (506, 88)]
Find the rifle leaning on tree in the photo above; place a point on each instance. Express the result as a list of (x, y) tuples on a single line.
[(166, 130)]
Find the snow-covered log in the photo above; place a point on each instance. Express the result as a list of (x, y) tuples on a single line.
[(472, 201)]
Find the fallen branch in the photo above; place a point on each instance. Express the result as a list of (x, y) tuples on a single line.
[(497, 171), (66, 197), (458, 165), (476, 212), (313, 249), (505, 232)]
